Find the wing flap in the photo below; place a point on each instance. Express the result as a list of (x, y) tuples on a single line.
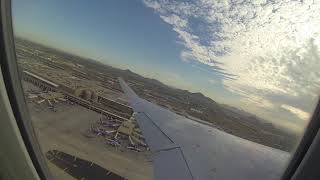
[(155, 137), (168, 159), (171, 164)]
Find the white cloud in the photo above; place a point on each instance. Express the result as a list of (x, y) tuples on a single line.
[(257, 101), (271, 47), (212, 81), (176, 20), (296, 111), (253, 35)]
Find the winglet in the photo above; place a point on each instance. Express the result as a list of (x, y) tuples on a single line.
[(128, 91)]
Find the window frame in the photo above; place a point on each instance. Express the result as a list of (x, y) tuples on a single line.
[(305, 151), (15, 93)]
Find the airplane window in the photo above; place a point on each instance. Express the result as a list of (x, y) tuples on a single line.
[(157, 89)]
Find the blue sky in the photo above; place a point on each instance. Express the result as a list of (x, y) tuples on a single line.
[(132, 37), (246, 54)]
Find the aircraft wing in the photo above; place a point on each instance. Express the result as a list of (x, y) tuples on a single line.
[(185, 149)]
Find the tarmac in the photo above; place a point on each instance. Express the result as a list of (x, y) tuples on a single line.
[(80, 168), (64, 131)]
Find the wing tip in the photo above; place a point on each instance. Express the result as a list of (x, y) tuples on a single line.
[(126, 89)]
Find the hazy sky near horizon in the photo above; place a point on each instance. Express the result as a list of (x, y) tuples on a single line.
[(261, 56)]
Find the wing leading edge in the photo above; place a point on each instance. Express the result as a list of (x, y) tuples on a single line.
[(185, 149), (168, 158)]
